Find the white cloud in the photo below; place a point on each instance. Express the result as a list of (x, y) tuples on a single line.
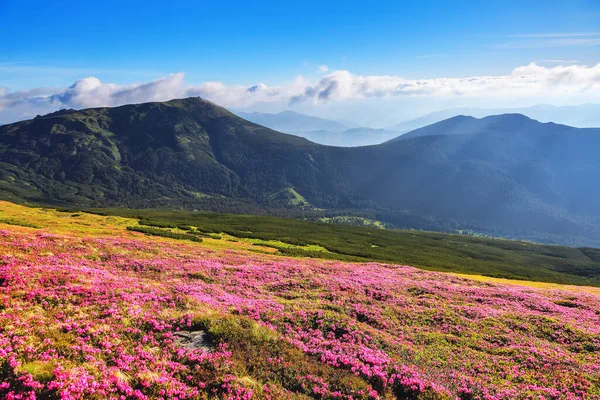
[(91, 92), (531, 80), (10, 99), (323, 68)]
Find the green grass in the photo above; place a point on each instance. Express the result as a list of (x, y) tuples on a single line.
[(164, 233), (352, 220), (290, 196), (428, 250), (10, 221), (42, 371)]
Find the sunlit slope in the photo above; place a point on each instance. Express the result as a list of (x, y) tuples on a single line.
[(435, 251), (92, 311)]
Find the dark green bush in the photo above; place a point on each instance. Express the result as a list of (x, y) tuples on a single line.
[(19, 223), (164, 233)]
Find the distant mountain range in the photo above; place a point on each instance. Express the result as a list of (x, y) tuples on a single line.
[(504, 175), (334, 133), (319, 130), (349, 137), (291, 121), (581, 116), (515, 124)]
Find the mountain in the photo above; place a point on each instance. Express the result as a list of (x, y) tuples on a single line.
[(152, 153), (582, 116), (291, 121), (319, 130), (501, 124), (437, 116), (505, 175)]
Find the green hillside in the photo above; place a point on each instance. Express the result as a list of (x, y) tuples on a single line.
[(428, 250), (505, 175)]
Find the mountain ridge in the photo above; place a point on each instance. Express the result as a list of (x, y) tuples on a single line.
[(581, 116), (191, 153), (319, 130), (465, 124), (289, 121)]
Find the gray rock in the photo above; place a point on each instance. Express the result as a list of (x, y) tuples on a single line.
[(193, 340)]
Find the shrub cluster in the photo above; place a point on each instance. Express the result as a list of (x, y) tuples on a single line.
[(164, 233)]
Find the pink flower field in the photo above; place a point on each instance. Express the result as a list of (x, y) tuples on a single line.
[(96, 317)]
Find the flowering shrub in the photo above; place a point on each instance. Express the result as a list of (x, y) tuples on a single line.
[(95, 317)]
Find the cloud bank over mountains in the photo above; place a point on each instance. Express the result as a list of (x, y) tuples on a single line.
[(530, 80), (336, 86)]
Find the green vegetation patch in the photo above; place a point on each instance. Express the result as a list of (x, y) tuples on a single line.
[(164, 233), (291, 197), (15, 222), (428, 250), (277, 244), (354, 221), (41, 371)]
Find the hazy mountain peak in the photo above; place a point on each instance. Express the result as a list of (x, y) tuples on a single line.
[(293, 113), (290, 121), (508, 118), (582, 116), (510, 123)]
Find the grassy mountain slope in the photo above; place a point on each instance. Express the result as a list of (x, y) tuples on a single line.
[(427, 250), (506, 174), (162, 152)]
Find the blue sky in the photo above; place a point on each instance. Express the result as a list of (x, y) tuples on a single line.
[(53, 44)]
